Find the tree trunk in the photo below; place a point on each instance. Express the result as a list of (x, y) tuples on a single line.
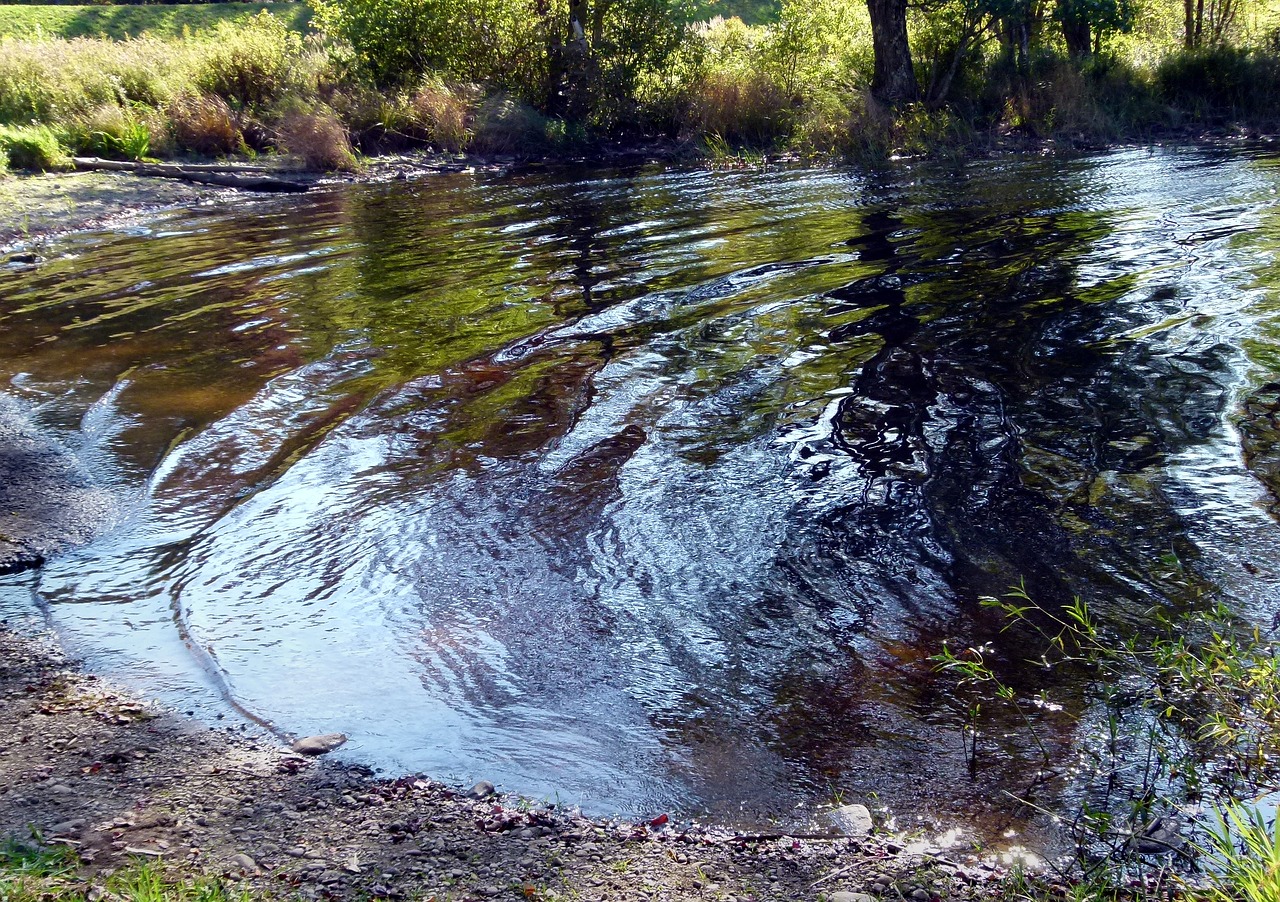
[(894, 80), (1189, 12), (1076, 32)]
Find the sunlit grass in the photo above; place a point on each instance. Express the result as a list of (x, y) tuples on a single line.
[(120, 22)]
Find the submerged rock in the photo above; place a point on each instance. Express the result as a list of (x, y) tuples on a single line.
[(47, 500), (319, 745)]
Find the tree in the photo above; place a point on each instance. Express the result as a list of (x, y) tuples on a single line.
[(1083, 20), (894, 78)]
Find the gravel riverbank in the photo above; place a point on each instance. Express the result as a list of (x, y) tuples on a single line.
[(84, 763)]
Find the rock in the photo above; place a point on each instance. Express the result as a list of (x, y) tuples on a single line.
[(849, 897), (853, 820), (243, 862), (481, 790), (319, 745), (1160, 838), (920, 894), (68, 828), (26, 259)]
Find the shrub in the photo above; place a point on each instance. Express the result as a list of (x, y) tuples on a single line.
[(741, 106), (319, 140), (396, 42), (109, 131), (250, 62), (203, 124), (443, 113), (49, 80), (504, 125), (32, 147), (1221, 81)]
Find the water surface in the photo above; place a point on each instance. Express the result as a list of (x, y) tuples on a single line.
[(655, 490)]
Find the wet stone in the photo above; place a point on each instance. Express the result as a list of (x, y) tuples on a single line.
[(319, 745)]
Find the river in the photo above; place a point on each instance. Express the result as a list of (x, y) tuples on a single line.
[(655, 490)]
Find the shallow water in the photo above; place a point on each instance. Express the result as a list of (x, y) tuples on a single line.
[(655, 490)]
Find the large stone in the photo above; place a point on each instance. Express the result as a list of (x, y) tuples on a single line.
[(853, 820), (319, 745)]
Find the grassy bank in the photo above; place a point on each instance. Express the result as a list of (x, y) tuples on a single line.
[(120, 22), (721, 89)]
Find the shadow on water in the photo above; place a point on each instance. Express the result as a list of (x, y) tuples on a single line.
[(652, 489)]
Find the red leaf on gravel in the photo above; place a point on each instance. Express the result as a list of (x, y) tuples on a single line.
[(659, 820)]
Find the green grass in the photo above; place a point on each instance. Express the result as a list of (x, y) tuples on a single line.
[(30, 859), (30, 872), (119, 22)]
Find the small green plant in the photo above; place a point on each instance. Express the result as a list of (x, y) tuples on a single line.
[(1243, 856), (33, 859)]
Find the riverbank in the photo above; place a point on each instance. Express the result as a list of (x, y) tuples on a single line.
[(86, 765)]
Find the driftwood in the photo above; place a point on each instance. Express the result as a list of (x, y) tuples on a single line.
[(204, 174)]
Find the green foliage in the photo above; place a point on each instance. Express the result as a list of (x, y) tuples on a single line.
[(1104, 16), (249, 62), (394, 43), (1244, 856), (1221, 82), (32, 147), (30, 858), (752, 12), (1187, 712), (109, 131), (31, 872)]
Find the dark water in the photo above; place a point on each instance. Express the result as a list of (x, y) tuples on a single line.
[(653, 490)]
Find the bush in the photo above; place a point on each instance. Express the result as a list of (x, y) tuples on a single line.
[(741, 106), (319, 140), (504, 125), (443, 113), (204, 125), (396, 42), (109, 131), (1221, 82), (49, 80), (249, 63), (32, 147)]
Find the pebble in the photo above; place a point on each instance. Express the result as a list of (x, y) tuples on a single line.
[(481, 790), (845, 896)]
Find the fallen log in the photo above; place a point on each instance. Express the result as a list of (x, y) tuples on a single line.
[(225, 177)]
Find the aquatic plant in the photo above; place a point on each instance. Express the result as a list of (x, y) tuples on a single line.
[(1185, 714)]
